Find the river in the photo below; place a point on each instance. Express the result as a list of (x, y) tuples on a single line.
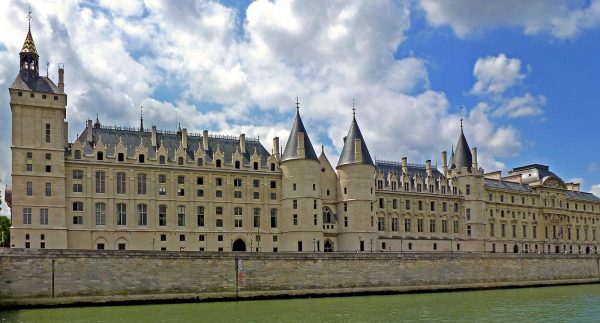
[(577, 303)]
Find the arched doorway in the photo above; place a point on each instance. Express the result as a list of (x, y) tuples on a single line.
[(239, 245), (516, 249), (328, 247)]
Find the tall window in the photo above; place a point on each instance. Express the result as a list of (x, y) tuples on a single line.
[(29, 189), (419, 225), (200, 211), (48, 189), (100, 214), (256, 221), (27, 215), (162, 215), (100, 182), (121, 183), (381, 223), (47, 133), (273, 218), (141, 183), (432, 226), (44, 216), (455, 227), (121, 214), (142, 214), (407, 225), (181, 215), (394, 224)]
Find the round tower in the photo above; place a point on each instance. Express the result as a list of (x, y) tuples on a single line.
[(301, 204), (356, 194)]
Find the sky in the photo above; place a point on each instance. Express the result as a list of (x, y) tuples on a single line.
[(523, 71)]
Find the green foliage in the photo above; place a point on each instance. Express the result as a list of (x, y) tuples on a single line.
[(4, 231)]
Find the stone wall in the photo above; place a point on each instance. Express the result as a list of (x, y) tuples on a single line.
[(34, 277)]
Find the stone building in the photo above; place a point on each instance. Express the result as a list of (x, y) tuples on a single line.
[(150, 189)]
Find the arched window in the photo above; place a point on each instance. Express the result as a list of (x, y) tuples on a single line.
[(218, 163), (200, 162), (327, 216), (180, 161), (141, 158), (161, 160), (121, 157), (100, 155)]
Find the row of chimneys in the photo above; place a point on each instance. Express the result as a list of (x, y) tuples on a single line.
[(444, 163), (184, 139)]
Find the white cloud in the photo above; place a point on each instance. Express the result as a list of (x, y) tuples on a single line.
[(199, 62), (577, 180), (495, 74), (522, 106), (561, 19), (595, 189)]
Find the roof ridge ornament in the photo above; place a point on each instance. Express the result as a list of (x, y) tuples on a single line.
[(461, 117), (353, 109), (297, 104)]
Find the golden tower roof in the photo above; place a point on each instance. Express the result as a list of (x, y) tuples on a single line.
[(29, 44)]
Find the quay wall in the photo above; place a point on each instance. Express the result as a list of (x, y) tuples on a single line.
[(64, 277)]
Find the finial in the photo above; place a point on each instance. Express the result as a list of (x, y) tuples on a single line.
[(297, 104), (461, 118), (323, 148), (353, 108), (29, 17), (47, 66), (141, 118)]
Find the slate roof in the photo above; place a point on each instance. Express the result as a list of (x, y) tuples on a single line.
[(30, 81), (582, 196), (131, 139), (506, 185), (347, 156), (291, 151), (462, 155), (395, 167)]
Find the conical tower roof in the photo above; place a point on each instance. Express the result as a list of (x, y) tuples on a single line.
[(462, 155), (291, 148), (29, 44), (348, 155)]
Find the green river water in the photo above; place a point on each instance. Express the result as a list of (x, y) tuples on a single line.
[(578, 303)]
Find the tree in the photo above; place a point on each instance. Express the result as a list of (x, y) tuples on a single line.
[(4, 231)]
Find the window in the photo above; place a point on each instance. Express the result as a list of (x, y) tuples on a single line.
[(468, 211), (314, 204), (219, 223), (200, 162), (218, 193), (237, 223), (407, 225), (503, 230), (141, 158), (468, 230), (345, 222), (182, 237), (273, 218), (200, 193), (381, 203), (237, 164), (200, 180), (180, 161), (237, 182), (180, 179), (272, 167), (273, 184), (394, 204), (162, 160), (394, 224), (432, 226), (47, 133), (255, 165), (219, 210), (162, 179), (220, 238), (121, 183), (238, 211), (514, 230), (295, 204), (181, 215), (218, 163), (142, 214), (48, 189), (141, 183), (381, 224), (455, 207), (256, 220), (77, 219), (100, 214), (77, 174), (78, 154), (407, 204), (100, 155), (162, 191), (294, 186), (163, 237), (256, 183), (237, 194), (27, 215), (455, 227), (162, 215), (315, 219), (44, 216), (299, 245), (100, 182), (29, 189), (468, 189), (180, 192), (492, 229), (121, 246), (78, 206), (48, 168), (420, 205), (120, 157), (432, 206), (201, 238), (273, 196), (256, 195), (444, 226), (419, 225), (29, 167), (200, 212), (345, 206), (121, 214)]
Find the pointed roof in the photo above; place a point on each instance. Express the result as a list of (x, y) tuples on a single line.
[(29, 44), (291, 151), (462, 155), (348, 156)]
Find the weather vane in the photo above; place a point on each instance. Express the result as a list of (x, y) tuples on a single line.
[(297, 103), (353, 107), (29, 17), (461, 117)]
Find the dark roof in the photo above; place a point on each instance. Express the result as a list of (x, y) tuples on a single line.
[(462, 155), (533, 173), (582, 196), (387, 167), (291, 148), (131, 139), (348, 156), (506, 185), (29, 80)]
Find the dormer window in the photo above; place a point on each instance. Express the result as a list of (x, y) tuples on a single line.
[(255, 165), (200, 162), (237, 164), (218, 163), (141, 158), (120, 157), (180, 161), (161, 160), (100, 155), (77, 154)]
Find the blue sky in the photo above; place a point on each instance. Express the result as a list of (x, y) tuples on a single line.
[(523, 71)]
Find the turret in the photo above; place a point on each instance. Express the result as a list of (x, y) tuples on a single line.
[(462, 158), (356, 173), (301, 192)]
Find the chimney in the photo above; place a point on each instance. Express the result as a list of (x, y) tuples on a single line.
[(444, 163), (184, 138), (276, 147), (242, 143), (154, 136), (358, 150), (301, 145), (61, 78), (205, 140), (474, 155), (428, 168), (88, 132), (404, 166)]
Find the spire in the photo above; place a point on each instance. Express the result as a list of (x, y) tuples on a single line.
[(141, 118), (29, 55), (355, 149), (462, 157), (298, 145), (97, 124)]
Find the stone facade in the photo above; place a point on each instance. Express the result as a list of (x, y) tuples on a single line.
[(149, 189), (34, 277)]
